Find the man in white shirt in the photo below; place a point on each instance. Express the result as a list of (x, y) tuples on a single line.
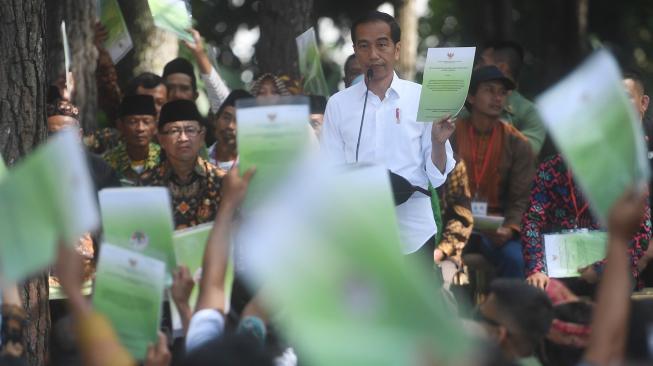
[(390, 135)]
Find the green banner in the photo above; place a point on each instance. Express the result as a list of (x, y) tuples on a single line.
[(118, 41), (595, 127), (46, 197), (173, 16), (329, 258), (447, 74), (139, 219), (272, 134), (310, 65), (129, 291)]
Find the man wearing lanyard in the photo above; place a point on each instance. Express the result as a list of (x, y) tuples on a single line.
[(501, 166), (387, 132), (557, 205)]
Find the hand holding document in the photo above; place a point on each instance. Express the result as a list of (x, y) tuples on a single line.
[(310, 64), (331, 257), (129, 291), (118, 41), (47, 197), (447, 74), (566, 253), (173, 16), (594, 125)]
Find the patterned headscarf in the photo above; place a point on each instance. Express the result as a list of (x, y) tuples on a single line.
[(62, 107), (277, 81)]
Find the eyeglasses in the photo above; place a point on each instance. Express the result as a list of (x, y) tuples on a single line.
[(188, 131)]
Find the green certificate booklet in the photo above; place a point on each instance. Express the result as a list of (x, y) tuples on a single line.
[(331, 261), (310, 64), (118, 42), (129, 291), (567, 253), (139, 219), (189, 248), (173, 16), (447, 74), (594, 125), (270, 137), (46, 197)]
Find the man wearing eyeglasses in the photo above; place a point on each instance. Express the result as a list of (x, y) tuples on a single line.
[(194, 183)]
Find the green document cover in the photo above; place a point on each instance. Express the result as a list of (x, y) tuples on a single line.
[(445, 84), (595, 127), (173, 16), (129, 291), (331, 262), (47, 196), (119, 41), (310, 65), (566, 253), (3, 168), (140, 219), (270, 137), (67, 56), (189, 249)]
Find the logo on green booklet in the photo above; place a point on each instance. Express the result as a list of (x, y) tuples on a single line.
[(139, 240)]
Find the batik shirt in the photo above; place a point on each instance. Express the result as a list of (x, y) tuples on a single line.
[(193, 202), (552, 210), (119, 160)]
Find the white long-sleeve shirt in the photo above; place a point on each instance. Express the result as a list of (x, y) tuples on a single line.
[(216, 90), (393, 138)]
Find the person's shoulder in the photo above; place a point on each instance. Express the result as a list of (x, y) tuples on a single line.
[(346, 94), (519, 103), (212, 171), (514, 133)]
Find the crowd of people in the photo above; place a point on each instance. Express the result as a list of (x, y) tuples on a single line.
[(487, 161)]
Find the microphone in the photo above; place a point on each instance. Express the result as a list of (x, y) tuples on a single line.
[(370, 75)]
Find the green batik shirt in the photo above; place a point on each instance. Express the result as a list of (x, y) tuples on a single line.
[(133, 173)]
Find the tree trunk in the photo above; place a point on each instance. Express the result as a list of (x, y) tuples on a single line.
[(281, 21), (566, 43), (22, 126), (80, 16), (409, 39), (153, 47)]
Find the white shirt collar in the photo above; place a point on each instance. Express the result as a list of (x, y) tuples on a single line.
[(395, 87)]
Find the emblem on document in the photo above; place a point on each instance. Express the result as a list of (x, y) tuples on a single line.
[(450, 54), (139, 240), (272, 117)]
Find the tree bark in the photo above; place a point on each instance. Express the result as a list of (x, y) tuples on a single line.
[(22, 126), (281, 21), (153, 47), (409, 40), (80, 17)]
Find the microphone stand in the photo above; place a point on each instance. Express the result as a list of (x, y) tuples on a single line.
[(370, 75)]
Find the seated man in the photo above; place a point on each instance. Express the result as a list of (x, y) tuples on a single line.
[(556, 204), (518, 111), (501, 167), (517, 317), (136, 155), (193, 182)]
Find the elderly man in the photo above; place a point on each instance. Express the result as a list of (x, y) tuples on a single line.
[(193, 182), (136, 155)]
